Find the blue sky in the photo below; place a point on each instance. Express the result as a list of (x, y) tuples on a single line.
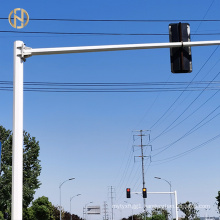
[(89, 135)]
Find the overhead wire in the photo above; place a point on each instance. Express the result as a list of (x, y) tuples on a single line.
[(113, 87), (205, 62), (119, 20), (100, 33), (175, 101), (197, 72), (186, 152), (195, 128), (167, 129), (205, 15), (188, 117)]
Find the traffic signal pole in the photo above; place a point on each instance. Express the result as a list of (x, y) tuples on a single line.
[(21, 52), (17, 143)]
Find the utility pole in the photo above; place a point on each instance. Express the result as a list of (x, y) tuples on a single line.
[(112, 192), (105, 211), (142, 160)]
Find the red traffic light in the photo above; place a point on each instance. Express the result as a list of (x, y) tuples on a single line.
[(128, 193)]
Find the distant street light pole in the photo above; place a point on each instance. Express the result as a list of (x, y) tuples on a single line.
[(70, 205), (60, 192), (86, 209), (169, 182), (131, 209)]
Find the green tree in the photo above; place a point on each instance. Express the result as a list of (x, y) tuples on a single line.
[(188, 208), (218, 201), (31, 169), (76, 217), (65, 215), (160, 213), (158, 217), (56, 212), (28, 214), (41, 209), (1, 216), (135, 217)]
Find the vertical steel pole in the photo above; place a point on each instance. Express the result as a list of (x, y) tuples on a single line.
[(175, 193), (142, 157), (17, 143)]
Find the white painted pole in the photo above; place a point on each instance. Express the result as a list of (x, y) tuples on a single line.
[(17, 143), (175, 194)]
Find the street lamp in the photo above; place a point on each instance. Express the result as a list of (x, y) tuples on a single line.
[(86, 209), (60, 192), (131, 209), (70, 205), (169, 182)]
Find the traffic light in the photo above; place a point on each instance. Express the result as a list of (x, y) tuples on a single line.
[(128, 192), (144, 193), (180, 57)]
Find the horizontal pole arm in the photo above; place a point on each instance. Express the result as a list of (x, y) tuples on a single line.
[(26, 52)]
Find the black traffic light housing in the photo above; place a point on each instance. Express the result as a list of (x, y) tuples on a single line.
[(180, 57), (128, 193), (144, 191)]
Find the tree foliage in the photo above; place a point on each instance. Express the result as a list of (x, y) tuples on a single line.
[(41, 209), (1, 216), (31, 169), (158, 213), (188, 208)]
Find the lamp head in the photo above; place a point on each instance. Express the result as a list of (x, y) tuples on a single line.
[(157, 178)]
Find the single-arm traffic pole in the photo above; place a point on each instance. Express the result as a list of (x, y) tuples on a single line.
[(21, 53), (17, 142), (175, 193)]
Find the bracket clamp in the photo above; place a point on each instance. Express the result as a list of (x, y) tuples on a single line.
[(25, 52)]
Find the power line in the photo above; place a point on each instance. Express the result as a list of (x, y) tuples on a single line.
[(100, 33), (83, 33), (120, 20), (189, 116), (195, 128), (115, 83), (188, 151), (205, 15), (136, 90), (186, 88), (191, 103)]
